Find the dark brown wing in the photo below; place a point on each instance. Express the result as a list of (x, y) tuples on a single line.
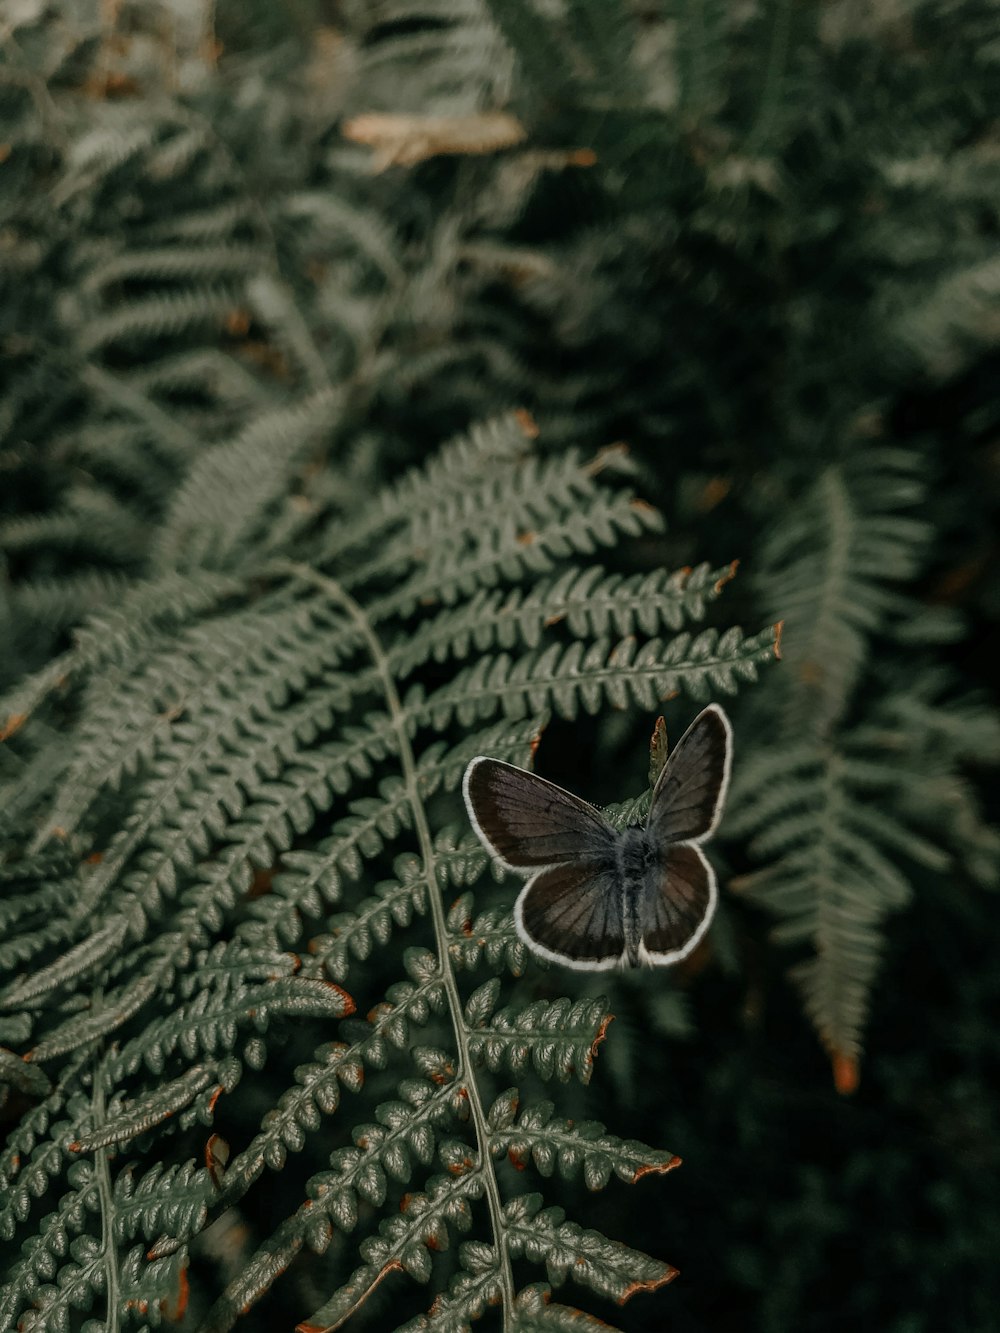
[(572, 914), (691, 790), (526, 822), (678, 905)]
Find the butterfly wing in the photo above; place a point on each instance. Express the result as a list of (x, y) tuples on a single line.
[(678, 905), (527, 822), (690, 792), (572, 914)]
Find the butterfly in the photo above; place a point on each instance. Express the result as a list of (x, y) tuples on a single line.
[(599, 897)]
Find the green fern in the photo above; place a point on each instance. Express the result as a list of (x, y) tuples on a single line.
[(274, 720), (223, 330), (181, 312), (849, 795)]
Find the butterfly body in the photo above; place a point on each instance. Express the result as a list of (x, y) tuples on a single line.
[(599, 897), (638, 867)]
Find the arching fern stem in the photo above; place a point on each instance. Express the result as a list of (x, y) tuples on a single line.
[(109, 1256), (409, 772)]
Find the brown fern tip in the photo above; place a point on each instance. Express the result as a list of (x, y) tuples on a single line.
[(657, 1168), (602, 1032), (846, 1073), (349, 1005), (777, 639), (729, 575), (528, 424), (13, 723), (651, 1285)]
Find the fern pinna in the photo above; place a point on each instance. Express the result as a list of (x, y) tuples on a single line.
[(233, 802)]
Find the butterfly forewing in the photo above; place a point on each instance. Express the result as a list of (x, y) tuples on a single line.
[(678, 905), (689, 794), (572, 915), (528, 822)]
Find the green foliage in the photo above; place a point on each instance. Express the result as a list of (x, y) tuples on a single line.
[(287, 734), (248, 281), (715, 197)]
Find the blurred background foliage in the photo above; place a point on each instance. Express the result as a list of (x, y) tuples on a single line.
[(757, 241)]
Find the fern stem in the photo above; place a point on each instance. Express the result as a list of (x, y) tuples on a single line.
[(109, 1256), (408, 764), (833, 987), (821, 713), (777, 59)]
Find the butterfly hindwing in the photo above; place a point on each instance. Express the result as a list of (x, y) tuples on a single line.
[(528, 822), (687, 800), (572, 914), (678, 905)]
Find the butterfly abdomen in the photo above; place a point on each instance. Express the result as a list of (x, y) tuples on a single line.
[(637, 859)]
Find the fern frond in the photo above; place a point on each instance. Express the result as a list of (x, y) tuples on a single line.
[(161, 316), (128, 1122), (830, 566), (490, 936), (56, 604), (823, 805), (404, 1242), (34, 1153), (252, 473), (89, 524), (172, 1200), (208, 1025), (43, 1259), (317, 1090), (252, 752), (585, 677), (558, 1039), (474, 459), (536, 1135), (611, 1269), (170, 263), (939, 331), (837, 832), (133, 721), (445, 50), (588, 604), (521, 526)]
